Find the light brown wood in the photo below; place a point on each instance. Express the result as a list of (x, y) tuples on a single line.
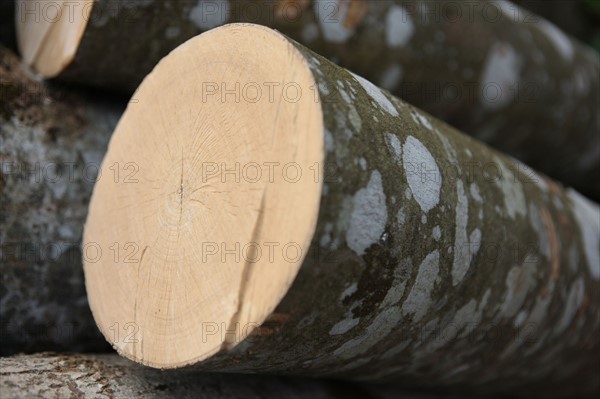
[(209, 248), (49, 32)]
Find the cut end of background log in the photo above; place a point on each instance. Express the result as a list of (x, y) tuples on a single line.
[(180, 242), (49, 33)]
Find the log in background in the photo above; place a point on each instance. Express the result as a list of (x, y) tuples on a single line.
[(52, 142), (491, 69), (112, 377)]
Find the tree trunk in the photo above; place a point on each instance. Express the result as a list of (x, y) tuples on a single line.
[(435, 260), (51, 145), (491, 69), (110, 376)]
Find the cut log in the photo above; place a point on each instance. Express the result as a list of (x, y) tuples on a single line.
[(491, 69), (51, 145), (112, 377), (384, 244)]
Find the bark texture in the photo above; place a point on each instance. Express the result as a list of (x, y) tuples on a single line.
[(491, 69), (436, 261), (51, 145), (109, 376)]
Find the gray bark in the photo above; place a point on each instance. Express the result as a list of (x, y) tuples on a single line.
[(51, 144), (494, 71), (436, 261), (109, 376)]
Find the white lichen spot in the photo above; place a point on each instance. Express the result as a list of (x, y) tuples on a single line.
[(424, 219), (172, 32), (344, 326), (572, 305), (448, 148), (329, 145), (208, 15), (474, 189), (422, 173), (399, 26), (407, 193), (559, 40), (362, 163), (539, 227), (514, 198), (421, 119), (395, 292), (475, 241), (326, 237), (310, 32), (419, 299), (465, 247), (369, 215), (377, 95), (384, 323), (391, 77), (354, 118), (348, 291), (332, 22), (520, 319), (465, 319), (394, 145), (469, 153), (437, 233), (500, 75), (323, 89), (587, 215), (510, 10), (542, 303), (557, 203), (342, 92), (401, 217), (518, 282)]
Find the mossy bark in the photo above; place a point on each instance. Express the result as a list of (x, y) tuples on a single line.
[(112, 377), (491, 69), (436, 261), (51, 144)]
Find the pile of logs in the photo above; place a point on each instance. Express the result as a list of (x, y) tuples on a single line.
[(341, 192)]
